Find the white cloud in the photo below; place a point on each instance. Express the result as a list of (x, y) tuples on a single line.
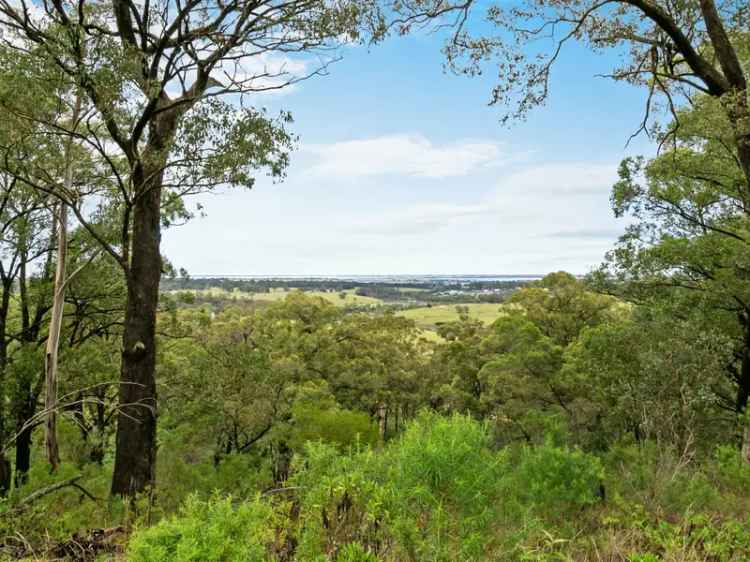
[(587, 234), (526, 197), (403, 154), (561, 179), (420, 219)]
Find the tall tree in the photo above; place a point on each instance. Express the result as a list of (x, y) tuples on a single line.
[(168, 84), (23, 229), (688, 243), (58, 302), (673, 49)]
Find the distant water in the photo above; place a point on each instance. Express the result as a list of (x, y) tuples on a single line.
[(452, 278)]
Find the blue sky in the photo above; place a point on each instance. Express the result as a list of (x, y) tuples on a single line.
[(403, 168)]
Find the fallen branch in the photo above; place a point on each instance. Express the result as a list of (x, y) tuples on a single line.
[(70, 482)]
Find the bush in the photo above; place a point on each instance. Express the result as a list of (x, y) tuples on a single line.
[(343, 428), (444, 482), (555, 480), (208, 531)]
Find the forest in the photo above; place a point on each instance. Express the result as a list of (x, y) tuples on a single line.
[(151, 417)]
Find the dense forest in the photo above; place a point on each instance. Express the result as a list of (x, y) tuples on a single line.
[(148, 416)]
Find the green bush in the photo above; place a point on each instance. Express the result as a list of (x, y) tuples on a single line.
[(444, 482), (340, 427), (732, 472), (208, 531), (554, 479), (354, 552)]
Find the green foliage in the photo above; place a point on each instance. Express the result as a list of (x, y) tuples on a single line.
[(558, 479), (58, 516), (618, 431), (354, 552), (207, 531), (438, 493), (343, 428)]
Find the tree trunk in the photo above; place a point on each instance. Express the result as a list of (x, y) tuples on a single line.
[(53, 342), (23, 452), (5, 470), (58, 303), (743, 389), (135, 457), (382, 414), (5, 475)]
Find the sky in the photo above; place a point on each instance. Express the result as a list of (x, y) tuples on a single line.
[(403, 168)]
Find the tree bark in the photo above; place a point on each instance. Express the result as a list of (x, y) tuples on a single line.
[(743, 389), (23, 450), (382, 413), (136, 422), (53, 341), (58, 304), (5, 469), (734, 98), (135, 457)]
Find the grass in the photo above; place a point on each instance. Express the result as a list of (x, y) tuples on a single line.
[(350, 298), (428, 318), (277, 294)]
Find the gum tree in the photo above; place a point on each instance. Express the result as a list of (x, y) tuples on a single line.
[(673, 49), (165, 86)]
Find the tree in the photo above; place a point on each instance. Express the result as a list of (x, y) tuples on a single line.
[(520, 375), (561, 306), (454, 367), (652, 376), (23, 229), (25, 239), (58, 302), (674, 50), (157, 79), (688, 245)]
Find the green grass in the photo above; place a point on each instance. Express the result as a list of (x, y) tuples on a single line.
[(277, 294), (428, 318), (350, 297)]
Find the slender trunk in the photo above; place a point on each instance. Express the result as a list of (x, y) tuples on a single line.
[(23, 443), (23, 294), (743, 388), (5, 475), (382, 420), (53, 341), (743, 383), (135, 455), (5, 470), (58, 303), (23, 458)]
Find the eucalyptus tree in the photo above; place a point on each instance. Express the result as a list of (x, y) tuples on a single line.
[(167, 86), (674, 50), (24, 223), (687, 248)]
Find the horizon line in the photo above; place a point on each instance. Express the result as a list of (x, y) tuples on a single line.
[(355, 275)]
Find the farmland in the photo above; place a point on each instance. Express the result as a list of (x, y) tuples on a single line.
[(429, 317)]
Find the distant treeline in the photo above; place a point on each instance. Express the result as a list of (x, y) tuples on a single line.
[(408, 291)]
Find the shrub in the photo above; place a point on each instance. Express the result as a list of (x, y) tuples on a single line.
[(444, 481), (343, 428), (555, 480), (208, 531), (354, 552)]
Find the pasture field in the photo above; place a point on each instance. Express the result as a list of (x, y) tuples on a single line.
[(428, 317), (349, 299)]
